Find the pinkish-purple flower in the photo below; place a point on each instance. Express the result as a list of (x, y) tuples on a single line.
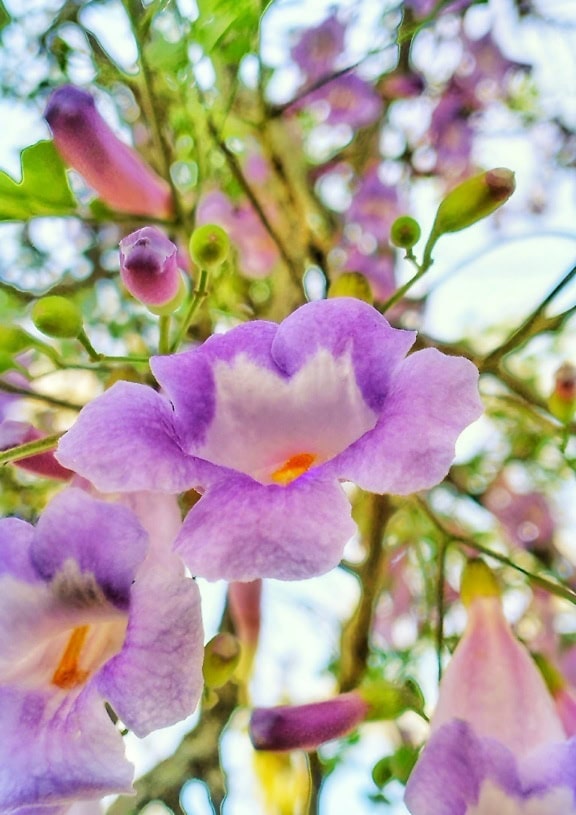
[(111, 167), (91, 613), (347, 99), (318, 48), (149, 266), (266, 421)]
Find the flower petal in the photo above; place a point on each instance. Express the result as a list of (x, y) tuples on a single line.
[(432, 399), (241, 530), (15, 541), (58, 748), (125, 441), (103, 539), (156, 679)]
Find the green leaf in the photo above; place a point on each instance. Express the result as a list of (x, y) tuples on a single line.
[(231, 26), (5, 17), (43, 189)]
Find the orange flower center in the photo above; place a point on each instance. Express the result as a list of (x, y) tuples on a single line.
[(293, 468), (68, 674)]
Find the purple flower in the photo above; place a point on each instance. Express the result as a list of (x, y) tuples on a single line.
[(497, 744), (348, 99), (525, 517), (90, 613), (451, 134), (149, 266), (374, 206), (318, 48), (257, 252), (113, 169), (267, 420), (306, 727)]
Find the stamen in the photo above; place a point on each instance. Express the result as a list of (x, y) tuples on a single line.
[(293, 468), (68, 674)]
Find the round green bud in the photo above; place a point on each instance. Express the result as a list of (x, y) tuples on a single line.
[(477, 580), (209, 246), (14, 339), (57, 317), (221, 658), (351, 284), (405, 232)]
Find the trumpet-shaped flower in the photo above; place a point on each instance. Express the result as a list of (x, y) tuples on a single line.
[(497, 744), (113, 169), (149, 266), (90, 614), (266, 421)]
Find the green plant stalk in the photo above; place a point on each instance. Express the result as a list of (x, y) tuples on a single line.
[(199, 295), (31, 448)]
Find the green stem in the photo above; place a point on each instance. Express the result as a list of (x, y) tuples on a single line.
[(92, 352), (42, 397), (199, 295), (164, 328), (440, 604), (31, 448)]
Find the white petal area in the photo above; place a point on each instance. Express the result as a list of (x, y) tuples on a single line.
[(262, 419), (38, 621), (494, 801)]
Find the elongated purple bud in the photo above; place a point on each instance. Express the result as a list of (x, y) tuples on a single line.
[(112, 168), (149, 266), (305, 727)]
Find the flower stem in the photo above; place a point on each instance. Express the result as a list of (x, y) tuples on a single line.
[(31, 448), (199, 295)]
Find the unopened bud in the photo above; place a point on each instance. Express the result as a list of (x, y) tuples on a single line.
[(474, 199), (114, 170), (14, 339), (387, 700), (405, 232), (57, 317), (351, 284), (562, 401), (209, 246), (305, 727), (221, 657), (149, 268), (477, 580), (13, 434)]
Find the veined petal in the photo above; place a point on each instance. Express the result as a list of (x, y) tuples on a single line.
[(15, 540), (57, 748), (493, 684), (241, 530), (125, 441), (433, 398), (102, 539), (156, 679)]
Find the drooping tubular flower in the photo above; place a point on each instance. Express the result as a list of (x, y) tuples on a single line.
[(497, 744), (87, 144), (91, 612), (267, 420)]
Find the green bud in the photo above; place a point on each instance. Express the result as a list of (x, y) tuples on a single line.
[(209, 246), (14, 339), (405, 232), (221, 657), (477, 580), (562, 400), (351, 284), (57, 317), (473, 199), (173, 304)]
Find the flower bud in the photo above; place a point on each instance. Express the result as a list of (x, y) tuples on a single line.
[(244, 601), (57, 317), (405, 232), (477, 580), (13, 434), (209, 246), (305, 727), (114, 170), (473, 199), (351, 284), (149, 268), (14, 339), (221, 656), (562, 401)]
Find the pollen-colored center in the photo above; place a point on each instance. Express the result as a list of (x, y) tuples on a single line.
[(68, 674), (293, 468)]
